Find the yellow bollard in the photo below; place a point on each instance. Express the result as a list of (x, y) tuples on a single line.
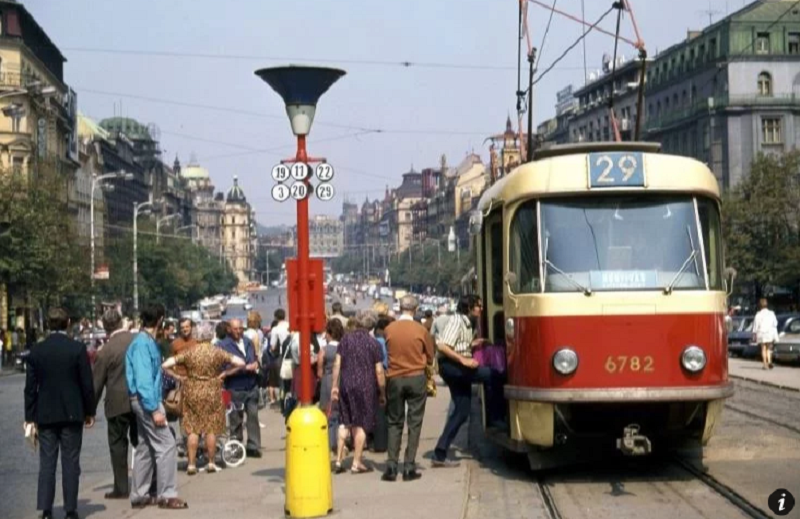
[(309, 488)]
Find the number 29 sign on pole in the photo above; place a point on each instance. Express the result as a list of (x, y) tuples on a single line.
[(294, 182)]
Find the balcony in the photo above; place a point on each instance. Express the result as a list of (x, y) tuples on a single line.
[(11, 80), (721, 102)]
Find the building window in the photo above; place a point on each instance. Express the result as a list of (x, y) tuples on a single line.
[(771, 130), (762, 43), (793, 43), (764, 84)]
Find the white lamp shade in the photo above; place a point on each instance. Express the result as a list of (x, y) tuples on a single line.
[(301, 117)]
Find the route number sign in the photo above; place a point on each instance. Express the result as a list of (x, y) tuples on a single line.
[(280, 192), (324, 172), (325, 192), (300, 171), (299, 190), (280, 173)]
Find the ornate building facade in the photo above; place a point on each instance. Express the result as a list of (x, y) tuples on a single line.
[(238, 232)]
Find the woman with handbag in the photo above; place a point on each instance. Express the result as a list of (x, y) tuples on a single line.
[(201, 394)]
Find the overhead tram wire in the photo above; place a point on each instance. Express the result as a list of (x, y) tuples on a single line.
[(366, 62), (619, 6), (572, 46), (239, 111), (544, 36)]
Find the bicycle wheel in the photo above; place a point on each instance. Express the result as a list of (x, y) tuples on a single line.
[(233, 453)]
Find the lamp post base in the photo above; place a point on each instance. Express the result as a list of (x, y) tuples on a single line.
[(309, 488)]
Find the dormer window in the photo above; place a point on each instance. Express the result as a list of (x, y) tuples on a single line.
[(762, 43)]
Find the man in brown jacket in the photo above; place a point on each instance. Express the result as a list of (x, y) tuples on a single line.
[(109, 374), (410, 349)]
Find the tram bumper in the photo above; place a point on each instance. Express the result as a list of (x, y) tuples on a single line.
[(549, 417)]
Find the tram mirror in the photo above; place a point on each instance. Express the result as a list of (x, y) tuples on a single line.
[(511, 278), (475, 222), (730, 276)]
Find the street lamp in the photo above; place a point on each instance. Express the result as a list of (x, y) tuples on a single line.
[(301, 87), (143, 208), (162, 220), (195, 235), (96, 180)]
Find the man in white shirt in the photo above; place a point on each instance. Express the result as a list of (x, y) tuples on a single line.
[(277, 337), (765, 331)]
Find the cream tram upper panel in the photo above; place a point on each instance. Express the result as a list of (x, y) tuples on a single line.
[(569, 174)]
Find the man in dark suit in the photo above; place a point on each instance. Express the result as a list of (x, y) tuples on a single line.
[(109, 374), (59, 401)]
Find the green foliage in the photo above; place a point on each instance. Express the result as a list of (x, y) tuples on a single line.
[(427, 266), (761, 223), (172, 271)]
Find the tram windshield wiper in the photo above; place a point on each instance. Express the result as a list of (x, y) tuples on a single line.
[(692, 258), (547, 263)]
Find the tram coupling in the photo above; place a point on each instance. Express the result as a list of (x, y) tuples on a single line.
[(632, 443)]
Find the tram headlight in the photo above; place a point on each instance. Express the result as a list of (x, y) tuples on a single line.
[(693, 359), (565, 361)]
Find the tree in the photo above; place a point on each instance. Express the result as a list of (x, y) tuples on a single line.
[(761, 223)]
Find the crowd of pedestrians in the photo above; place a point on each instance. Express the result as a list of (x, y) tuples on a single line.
[(373, 373)]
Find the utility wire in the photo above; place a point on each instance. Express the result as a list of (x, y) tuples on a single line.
[(572, 46), (239, 111), (544, 37), (366, 62)]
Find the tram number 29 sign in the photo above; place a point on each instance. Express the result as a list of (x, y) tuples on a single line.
[(616, 169), (629, 364)]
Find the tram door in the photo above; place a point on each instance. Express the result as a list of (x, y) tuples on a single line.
[(492, 279)]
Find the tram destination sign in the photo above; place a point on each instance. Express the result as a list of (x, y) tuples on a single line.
[(616, 169), (623, 279)]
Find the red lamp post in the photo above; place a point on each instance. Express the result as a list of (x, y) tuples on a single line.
[(301, 87)]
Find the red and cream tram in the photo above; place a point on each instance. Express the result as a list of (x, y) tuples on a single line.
[(601, 271)]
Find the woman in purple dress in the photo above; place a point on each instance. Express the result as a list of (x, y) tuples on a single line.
[(358, 379)]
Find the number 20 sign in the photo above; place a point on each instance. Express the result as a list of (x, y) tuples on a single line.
[(616, 169)]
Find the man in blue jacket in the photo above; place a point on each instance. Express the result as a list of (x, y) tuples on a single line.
[(156, 450), (243, 386)]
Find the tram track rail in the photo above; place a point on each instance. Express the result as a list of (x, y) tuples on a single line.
[(730, 495), (737, 409), (548, 500)]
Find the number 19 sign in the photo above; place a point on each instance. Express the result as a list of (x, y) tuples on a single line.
[(301, 187)]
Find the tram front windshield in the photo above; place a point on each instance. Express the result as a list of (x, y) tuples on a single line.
[(621, 243)]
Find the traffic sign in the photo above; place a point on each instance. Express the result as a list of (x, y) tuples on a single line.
[(300, 171), (280, 173), (299, 190), (324, 172), (325, 192), (280, 192)]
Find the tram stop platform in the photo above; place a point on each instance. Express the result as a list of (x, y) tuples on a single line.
[(784, 377), (256, 488)]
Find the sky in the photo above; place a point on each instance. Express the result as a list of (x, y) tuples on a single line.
[(188, 67)]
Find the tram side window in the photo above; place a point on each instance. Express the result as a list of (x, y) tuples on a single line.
[(524, 250), (710, 224), (496, 250)]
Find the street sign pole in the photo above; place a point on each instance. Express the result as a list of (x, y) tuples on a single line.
[(304, 287)]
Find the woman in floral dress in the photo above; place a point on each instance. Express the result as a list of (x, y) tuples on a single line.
[(358, 385), (203, 410)]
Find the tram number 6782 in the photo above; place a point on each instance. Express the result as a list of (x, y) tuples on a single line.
[(623, 363)]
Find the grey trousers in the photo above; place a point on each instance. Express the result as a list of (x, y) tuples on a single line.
[(248, 399), (405, 392), (156, 451)]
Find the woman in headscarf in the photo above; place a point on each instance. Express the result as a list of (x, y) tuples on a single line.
[(359, 386), (203, 410)]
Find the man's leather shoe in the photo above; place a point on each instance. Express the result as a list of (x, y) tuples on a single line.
[(390, 474), (252, 453), (116, 495), (72, 515), (411, 475), (47, 514)]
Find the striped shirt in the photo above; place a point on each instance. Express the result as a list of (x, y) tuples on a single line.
[(458, 334)]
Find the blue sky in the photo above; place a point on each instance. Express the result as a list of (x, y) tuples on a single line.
[(423, 111)]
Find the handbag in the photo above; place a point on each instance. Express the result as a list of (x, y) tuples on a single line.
[(492, 356), (287, 365), (173, 403)]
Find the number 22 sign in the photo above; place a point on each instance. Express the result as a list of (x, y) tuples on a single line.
[(616, 169)]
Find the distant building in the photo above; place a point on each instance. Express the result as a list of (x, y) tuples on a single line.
[(206, 213), (238, 232), (591, 120), (401, 216), (509, 154), (556, 129), (730, 91), (326, 237)]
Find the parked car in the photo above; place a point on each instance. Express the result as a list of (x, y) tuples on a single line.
[(785, 321), (740, 335), (787, 349)]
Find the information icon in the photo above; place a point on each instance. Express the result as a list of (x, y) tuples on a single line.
[(324, 172), (325, 192), (280, 173), (280, 192), (299, 190), (300, 171)]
